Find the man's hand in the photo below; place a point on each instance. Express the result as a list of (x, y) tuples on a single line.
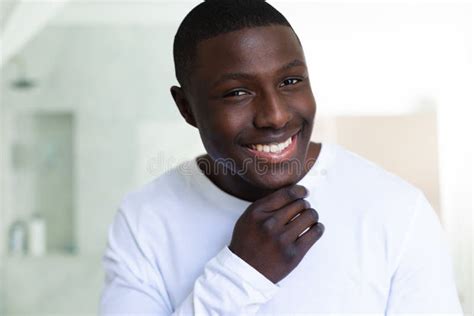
[(266, 236)]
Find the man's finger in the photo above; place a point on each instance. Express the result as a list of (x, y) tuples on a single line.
[(308, 218), (288, 212), (307, 240), (280, 198)]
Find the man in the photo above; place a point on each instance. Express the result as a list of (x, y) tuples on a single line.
[(237, 230)]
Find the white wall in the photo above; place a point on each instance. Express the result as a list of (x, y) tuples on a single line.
[(455, 130), (111, 78)]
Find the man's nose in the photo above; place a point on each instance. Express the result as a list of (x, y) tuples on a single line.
[(271, 111)]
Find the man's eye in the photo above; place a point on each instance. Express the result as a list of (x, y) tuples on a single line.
[(290, 81), (235, 93)]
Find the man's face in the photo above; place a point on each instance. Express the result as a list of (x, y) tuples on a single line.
[(251, 100)]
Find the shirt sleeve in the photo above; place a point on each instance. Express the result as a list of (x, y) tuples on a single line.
[(423, 281), (134, 284)]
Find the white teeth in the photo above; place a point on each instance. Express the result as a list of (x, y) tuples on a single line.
[(274, 147)]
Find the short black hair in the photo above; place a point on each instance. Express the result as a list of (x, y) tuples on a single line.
[(214, 17)]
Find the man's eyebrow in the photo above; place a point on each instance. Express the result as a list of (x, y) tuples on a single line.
[(233, 76), (246, 76), (294, 63)]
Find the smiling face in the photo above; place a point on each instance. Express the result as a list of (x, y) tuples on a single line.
[(250, 97)]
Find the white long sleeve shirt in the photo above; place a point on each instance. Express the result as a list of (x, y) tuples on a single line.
[(383, 250)]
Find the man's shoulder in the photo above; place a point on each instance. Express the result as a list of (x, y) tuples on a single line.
[(169, 186), (371, 186), (358, 169)]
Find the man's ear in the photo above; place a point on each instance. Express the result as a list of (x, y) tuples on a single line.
[(183, 105)]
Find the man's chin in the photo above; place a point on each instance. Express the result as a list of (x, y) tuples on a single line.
[(272, 182)]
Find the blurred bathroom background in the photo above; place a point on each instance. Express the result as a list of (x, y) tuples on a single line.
[(86, 115)]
